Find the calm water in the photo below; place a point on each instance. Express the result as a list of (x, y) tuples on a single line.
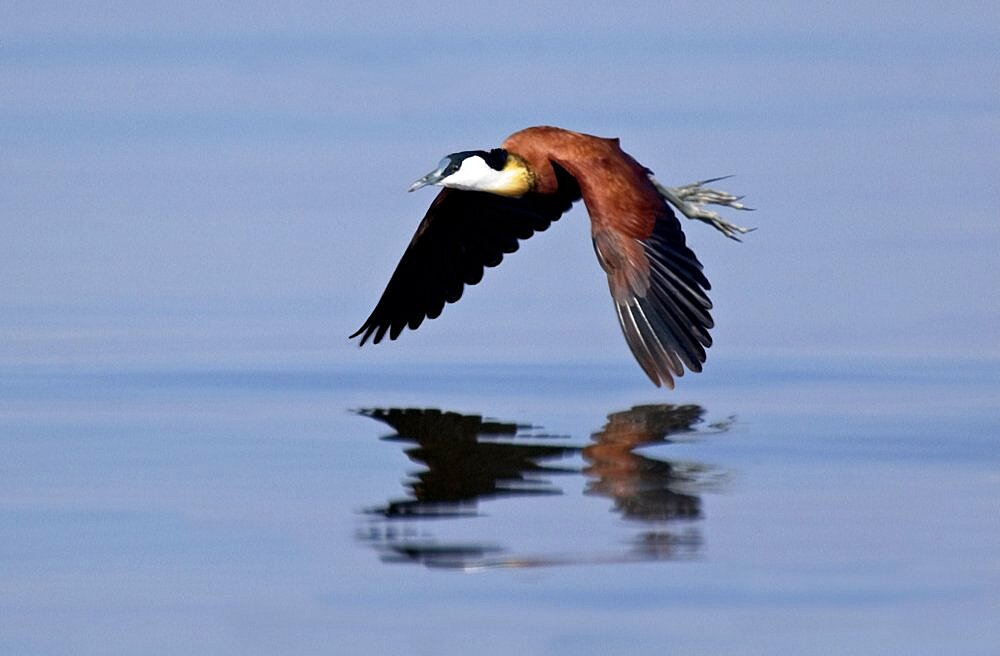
[(795, 507)]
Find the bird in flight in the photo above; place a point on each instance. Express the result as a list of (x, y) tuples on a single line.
[(492, 199)]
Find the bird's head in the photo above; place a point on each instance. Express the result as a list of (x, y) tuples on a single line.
[(495, 171)]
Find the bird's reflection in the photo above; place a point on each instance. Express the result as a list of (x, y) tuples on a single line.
[(468, 459), (465, 461)]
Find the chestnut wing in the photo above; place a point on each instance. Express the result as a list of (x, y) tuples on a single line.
[(660, 296)]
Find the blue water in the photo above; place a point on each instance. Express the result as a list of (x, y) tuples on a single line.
[(808, 506)]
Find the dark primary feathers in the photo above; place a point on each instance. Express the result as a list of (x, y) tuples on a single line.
[(462, 232), (660, 299)]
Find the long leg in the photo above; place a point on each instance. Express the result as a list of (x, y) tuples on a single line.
[(690, 200)]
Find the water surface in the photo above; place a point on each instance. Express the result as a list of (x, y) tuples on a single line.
[(808, 506)]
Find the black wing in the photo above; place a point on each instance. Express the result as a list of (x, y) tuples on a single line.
[(462, 232)]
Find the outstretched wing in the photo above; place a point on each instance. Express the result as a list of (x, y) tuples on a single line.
[(659, 292), (462, 232)]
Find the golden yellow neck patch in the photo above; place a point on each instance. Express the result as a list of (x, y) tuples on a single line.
[(516, 179)]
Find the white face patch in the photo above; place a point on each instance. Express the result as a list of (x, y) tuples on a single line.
[(475, 174)]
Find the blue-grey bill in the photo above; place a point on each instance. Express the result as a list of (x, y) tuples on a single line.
[(428, 179)]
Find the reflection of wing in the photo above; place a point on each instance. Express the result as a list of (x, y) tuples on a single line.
[(462, 232), (646, 424), (641, 487), (420, 425), (461, 467)]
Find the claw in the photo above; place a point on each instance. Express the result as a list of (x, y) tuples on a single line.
[(705, 182), (690, 200)]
